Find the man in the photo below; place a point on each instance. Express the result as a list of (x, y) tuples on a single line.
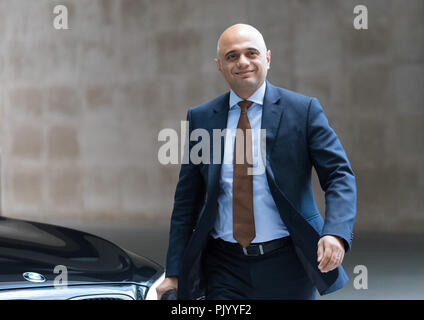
[(235, 235)]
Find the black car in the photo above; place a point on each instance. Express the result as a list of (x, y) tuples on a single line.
[(43, 261)]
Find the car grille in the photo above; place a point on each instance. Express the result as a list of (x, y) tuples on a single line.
[(104, 297)]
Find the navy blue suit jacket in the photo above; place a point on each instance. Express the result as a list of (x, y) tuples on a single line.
[(298, 137)]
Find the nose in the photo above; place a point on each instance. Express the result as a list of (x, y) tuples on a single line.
[(243, 61)]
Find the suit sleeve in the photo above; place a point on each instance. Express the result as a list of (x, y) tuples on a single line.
[(335, 175), (187, 202)]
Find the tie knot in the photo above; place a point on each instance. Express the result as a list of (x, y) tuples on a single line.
[(244, 105)]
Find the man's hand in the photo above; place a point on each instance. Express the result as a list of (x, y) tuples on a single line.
[(167, 284), (330, 253)]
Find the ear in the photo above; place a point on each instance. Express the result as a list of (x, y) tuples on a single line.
[(268, 57), (218, 64)]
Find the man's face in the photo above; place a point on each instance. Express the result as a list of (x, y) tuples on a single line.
[(243, 59)]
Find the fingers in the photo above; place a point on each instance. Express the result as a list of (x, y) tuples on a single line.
[(320, 250), (167, 284), (330, 255), (339, 259), (159, 293), (326, 259), (161, 290)]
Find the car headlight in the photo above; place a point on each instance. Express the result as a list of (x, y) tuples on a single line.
[(151, 293)]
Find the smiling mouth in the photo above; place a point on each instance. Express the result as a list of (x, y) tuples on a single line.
[(244, 73)]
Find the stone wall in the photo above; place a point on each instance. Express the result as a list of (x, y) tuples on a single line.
[(81, 109)]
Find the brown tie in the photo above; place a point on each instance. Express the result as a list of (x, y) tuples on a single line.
[(243, 219)]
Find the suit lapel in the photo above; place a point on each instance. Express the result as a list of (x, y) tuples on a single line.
[(271, 116), (217, 120)]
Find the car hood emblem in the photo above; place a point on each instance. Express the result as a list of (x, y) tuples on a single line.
[(34, 277)]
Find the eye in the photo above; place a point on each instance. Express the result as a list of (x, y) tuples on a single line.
[(253, 53), (231, 57)]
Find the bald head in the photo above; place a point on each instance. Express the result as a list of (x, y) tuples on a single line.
[(239, 31)]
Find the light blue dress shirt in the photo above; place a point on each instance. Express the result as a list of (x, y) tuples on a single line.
[(268, 223)]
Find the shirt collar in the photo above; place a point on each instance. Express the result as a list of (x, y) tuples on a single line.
[(256, 97)]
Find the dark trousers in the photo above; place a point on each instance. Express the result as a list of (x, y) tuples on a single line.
[(275, 275)]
